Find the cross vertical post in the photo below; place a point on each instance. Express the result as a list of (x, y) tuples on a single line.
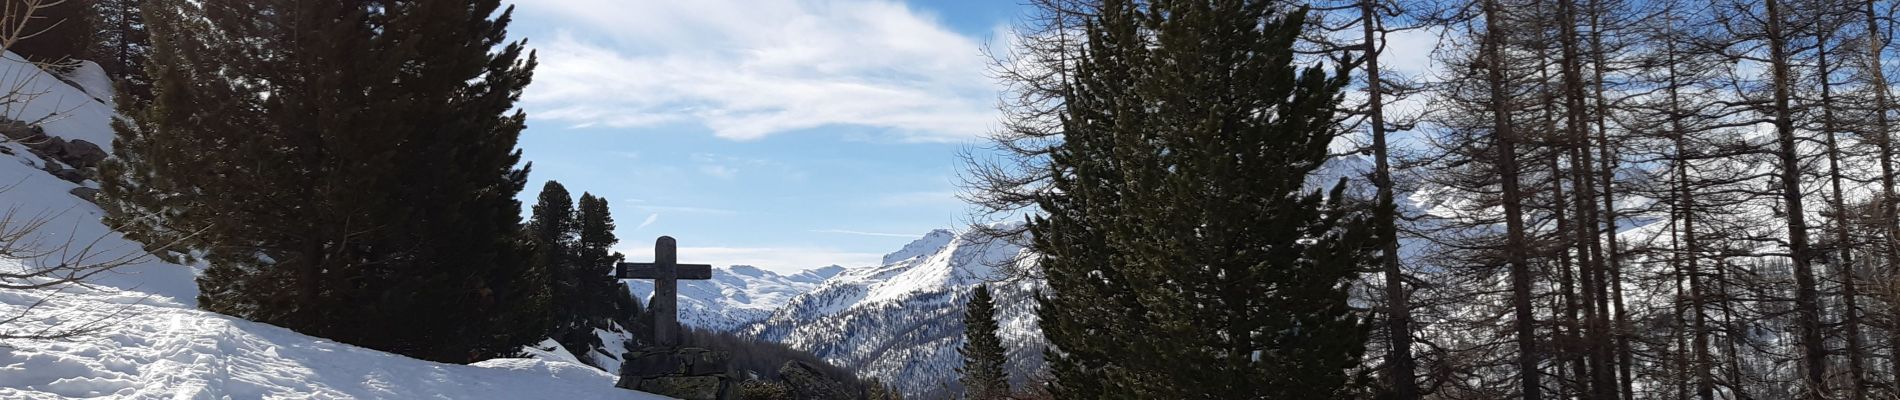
[(665, 271)]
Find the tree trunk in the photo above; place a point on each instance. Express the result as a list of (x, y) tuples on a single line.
[(1843, 240), (1506, 153), (1807, 307), (1398, 310)]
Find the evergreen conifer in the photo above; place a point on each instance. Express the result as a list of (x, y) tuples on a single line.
[(983, 355), (1185, 253), (345, 169)]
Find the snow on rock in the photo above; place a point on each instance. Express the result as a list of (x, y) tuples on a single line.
[(155, 345), (902, 322), (735, 296), (91, 79), (931, 243), (65, 111)]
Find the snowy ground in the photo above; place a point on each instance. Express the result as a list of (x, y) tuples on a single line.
[(156, 349), (155, 345)]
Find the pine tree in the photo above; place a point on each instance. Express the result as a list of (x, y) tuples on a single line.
[(983, 354), (385, 216), (595, 264), (1186, 257), (556, 236)]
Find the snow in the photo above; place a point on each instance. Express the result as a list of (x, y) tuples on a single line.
[(736, 295), (902, 322), (155, 344), (166, 351), (64, 110)]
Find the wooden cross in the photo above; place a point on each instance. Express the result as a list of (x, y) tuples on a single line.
[(665, 271)]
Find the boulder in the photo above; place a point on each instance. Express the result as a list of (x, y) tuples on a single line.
[(83, 154), (68, 174), (21, 131)]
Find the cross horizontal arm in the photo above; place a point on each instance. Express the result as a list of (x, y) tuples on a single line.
[(652, 271)]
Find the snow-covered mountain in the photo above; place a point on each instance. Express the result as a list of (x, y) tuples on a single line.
[(901, 322), (736, 296), (154, 343)]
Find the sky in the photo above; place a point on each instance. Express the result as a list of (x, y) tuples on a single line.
[(783, 134)]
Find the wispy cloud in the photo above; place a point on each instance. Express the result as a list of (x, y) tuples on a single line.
[(651, 218), (751, 68), (863, 233), (685, 209), (929, 198), (719, 171)]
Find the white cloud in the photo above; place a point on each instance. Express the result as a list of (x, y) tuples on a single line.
[(777, 259), (651, 218), (750, 68), (719, 171)]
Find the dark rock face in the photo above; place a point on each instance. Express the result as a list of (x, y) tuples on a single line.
[(809, 384), (83, 154), (688, 373), (78, 156)]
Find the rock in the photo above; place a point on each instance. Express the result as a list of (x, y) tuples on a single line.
[(87, 193), (686, 387), (68, 174), (21, 131), (687, 373), (810, 384), (45, 145), (83, 154)]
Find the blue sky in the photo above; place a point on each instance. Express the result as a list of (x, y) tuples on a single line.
[(784, 134)]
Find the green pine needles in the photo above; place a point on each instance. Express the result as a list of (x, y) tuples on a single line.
[(345, 169), (1186, 256), (983, 354)]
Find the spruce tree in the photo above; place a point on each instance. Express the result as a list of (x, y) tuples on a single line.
[(983, 353), (555, 233), (596, 260), (345, 169), (1185, 254)]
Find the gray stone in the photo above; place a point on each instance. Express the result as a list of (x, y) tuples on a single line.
[(686, 373), (68, 174), (83, 154), (21, 131), (90, 194)]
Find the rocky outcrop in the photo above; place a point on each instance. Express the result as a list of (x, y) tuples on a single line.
[(72, 160), (688, 373), (809, 384)]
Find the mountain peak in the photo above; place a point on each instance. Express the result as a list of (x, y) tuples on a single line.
[(747, 270), (931, 243)]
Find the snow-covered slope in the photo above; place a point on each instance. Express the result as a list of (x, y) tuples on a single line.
[(155, 344), (902, 322), (736, 296)]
